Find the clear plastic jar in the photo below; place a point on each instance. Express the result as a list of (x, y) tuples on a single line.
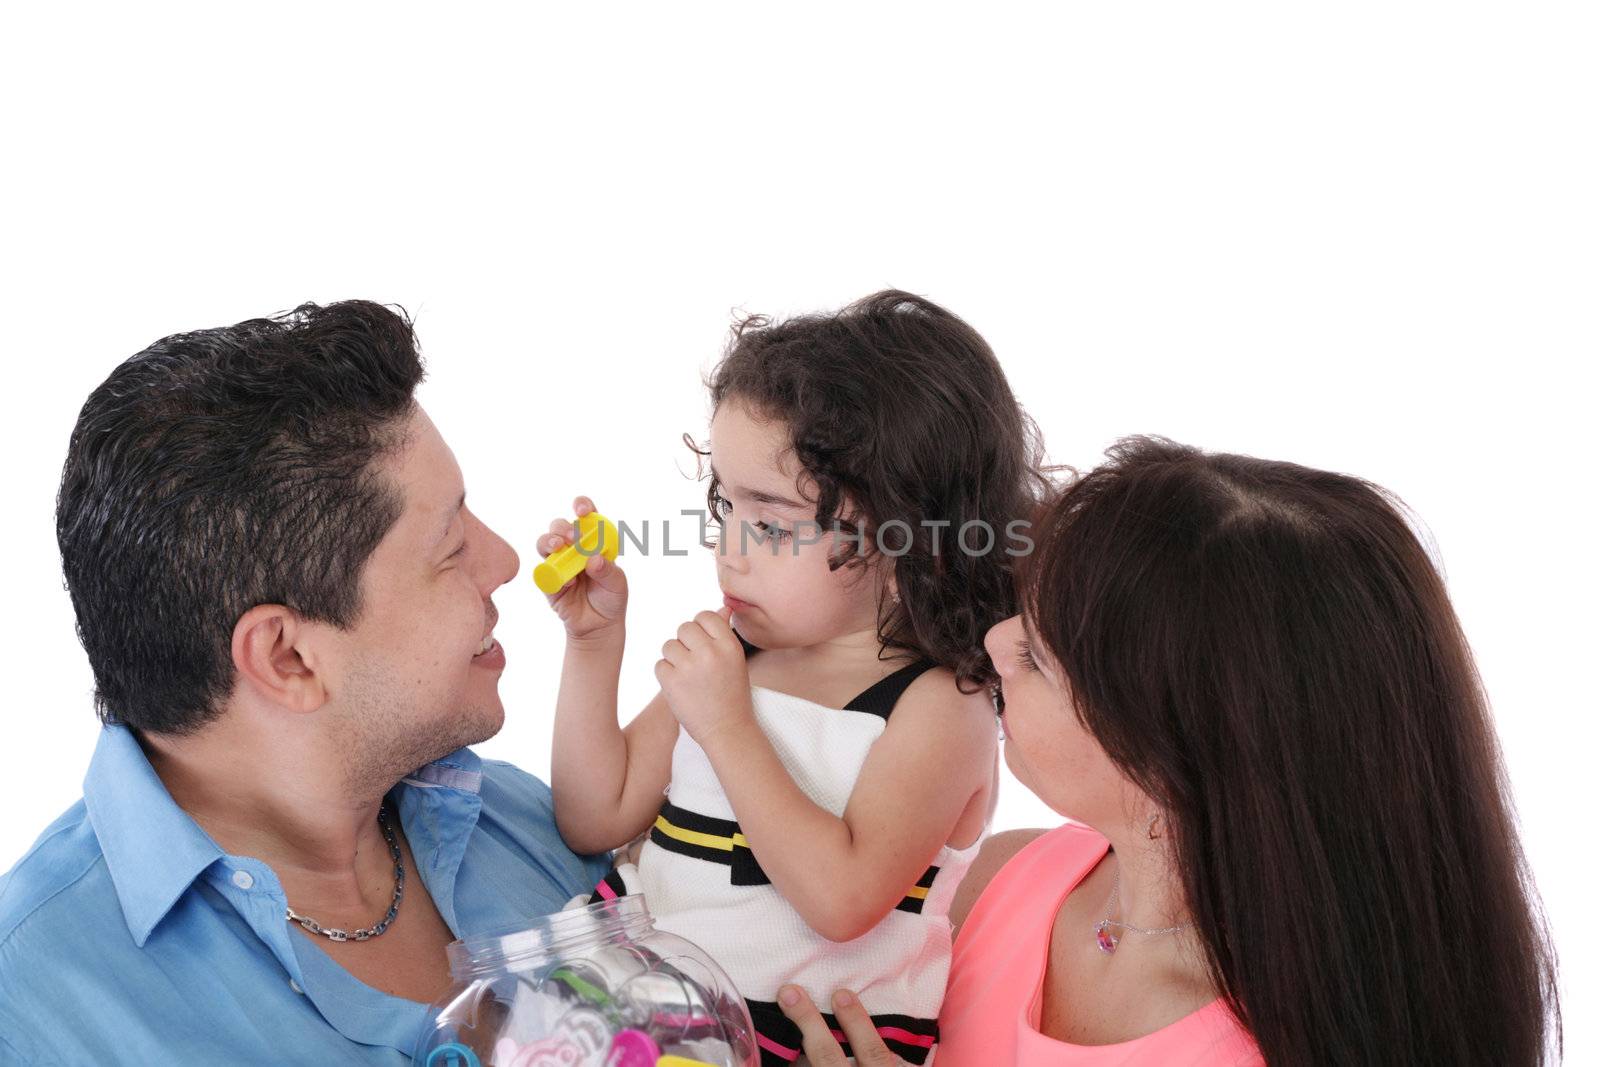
[(597, 986)]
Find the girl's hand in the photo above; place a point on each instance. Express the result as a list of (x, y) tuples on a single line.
[(593, 604), (820, 1047), (702, 672)]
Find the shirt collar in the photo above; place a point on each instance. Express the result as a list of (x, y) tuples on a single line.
[(154, 850)]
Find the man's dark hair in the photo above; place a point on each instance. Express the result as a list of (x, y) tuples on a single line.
[(222, 469)]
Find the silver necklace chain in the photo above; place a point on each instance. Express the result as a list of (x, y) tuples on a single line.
[(1107, 939), (336, 934)]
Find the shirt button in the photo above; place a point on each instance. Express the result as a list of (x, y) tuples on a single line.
[(243, 880), (296, 987)]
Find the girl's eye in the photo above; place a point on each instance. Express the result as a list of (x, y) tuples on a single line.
[(779, 534), (720, 505), (1025, 656)]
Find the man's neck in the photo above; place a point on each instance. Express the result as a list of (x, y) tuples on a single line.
[(290, 807)]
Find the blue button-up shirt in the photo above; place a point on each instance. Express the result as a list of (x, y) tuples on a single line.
[(128, 936)]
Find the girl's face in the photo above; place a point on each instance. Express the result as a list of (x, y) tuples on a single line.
[(772, 559), (1046, 747)]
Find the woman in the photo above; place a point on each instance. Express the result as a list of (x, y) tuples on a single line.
[(1247, 679)]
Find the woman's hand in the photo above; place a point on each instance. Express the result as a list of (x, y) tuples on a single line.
[(592, 606), (820, 1047)]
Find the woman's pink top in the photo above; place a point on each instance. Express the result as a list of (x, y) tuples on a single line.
[(991, 1009)]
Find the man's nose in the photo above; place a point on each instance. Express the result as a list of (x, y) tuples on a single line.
[(502, 562)]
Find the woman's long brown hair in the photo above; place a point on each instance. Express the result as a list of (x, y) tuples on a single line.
[(1268, 651)]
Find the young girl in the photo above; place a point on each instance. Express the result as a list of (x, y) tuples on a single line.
[(826, 740)]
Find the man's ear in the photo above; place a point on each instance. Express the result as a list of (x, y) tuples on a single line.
[(266, 655)]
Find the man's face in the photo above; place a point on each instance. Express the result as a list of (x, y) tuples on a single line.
[(411, 684)]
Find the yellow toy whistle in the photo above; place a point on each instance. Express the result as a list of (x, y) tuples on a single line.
[(596, 534)]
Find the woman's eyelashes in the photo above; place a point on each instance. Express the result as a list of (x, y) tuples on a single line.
[(1026, 662)]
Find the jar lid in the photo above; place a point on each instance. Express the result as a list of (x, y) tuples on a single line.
[(549, 936)]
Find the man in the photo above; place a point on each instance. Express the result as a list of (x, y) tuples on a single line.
[(287, 607)]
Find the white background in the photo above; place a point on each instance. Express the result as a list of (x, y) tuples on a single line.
[(1360, 237)]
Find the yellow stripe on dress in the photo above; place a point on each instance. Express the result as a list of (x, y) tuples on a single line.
[(738, 840), (695, 837)]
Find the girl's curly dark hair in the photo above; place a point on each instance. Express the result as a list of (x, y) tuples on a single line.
[(900, 407)]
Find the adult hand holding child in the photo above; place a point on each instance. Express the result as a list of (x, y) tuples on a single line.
[(821, 1045)]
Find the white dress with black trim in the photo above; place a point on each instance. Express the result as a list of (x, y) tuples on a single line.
[(701, 881)]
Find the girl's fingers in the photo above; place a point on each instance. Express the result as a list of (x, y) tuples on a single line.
[(703, 628), (817, 1040), (564, 528), (865, 1044), (554, 542)]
